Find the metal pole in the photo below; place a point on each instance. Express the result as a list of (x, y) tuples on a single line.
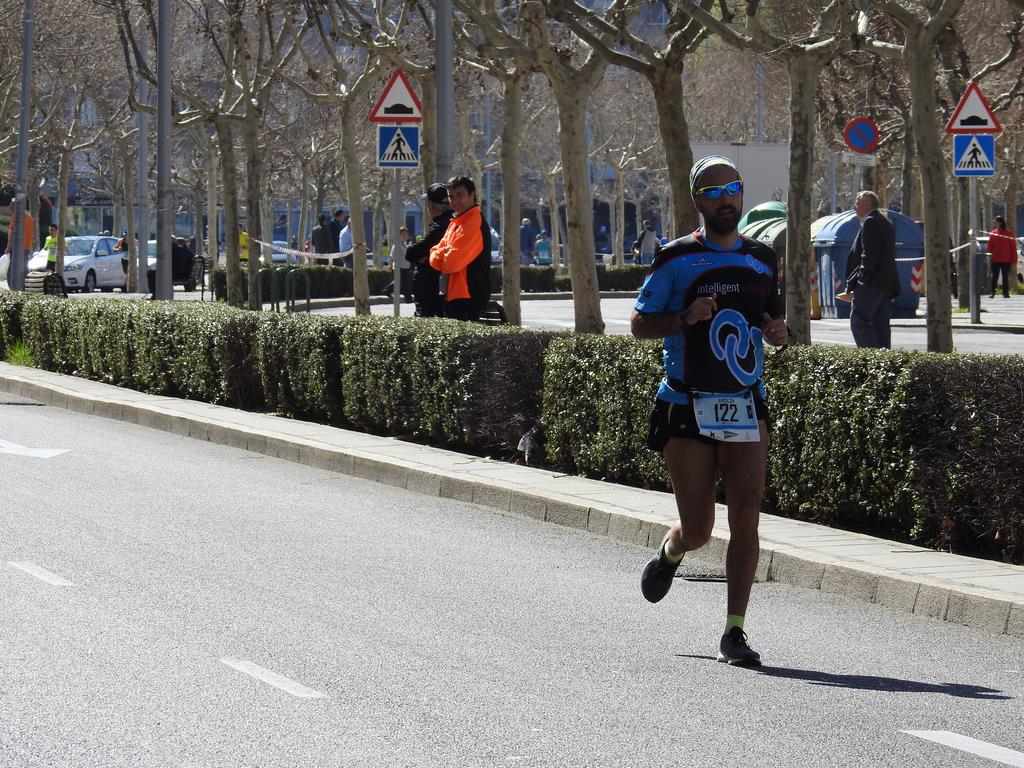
[(19, 265), (445, 121), (142, 220), (164, 225), (396, 223), (975, 277)]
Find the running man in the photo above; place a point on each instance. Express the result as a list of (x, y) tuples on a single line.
[(713, 296)]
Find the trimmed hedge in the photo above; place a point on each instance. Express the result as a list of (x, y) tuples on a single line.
[(911, 446), (598, 392), (456, 383), (191, 350)]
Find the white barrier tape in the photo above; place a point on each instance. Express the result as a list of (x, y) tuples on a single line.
[(916, 258), (306, 254)]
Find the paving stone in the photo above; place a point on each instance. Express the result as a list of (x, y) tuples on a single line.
[(896, 593), (791, 569), (527, 505), (598, 521), (494, 496), (977, 611), (569, 515), (932, 602), (841, 580)]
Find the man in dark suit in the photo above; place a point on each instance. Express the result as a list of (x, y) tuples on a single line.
[(871, 274)]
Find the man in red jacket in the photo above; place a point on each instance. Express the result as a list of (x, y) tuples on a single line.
[(1003, 247), (463, 257)]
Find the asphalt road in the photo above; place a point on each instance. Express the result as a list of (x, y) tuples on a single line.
[(412, 631), (558, 315)]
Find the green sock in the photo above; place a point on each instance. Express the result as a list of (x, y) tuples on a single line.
[(674, 559), (732, 620)]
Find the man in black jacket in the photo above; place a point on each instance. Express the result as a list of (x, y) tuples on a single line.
[(871, 274), (426, 279)]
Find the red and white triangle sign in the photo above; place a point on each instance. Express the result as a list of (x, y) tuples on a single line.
[(973, 114), (398, 103)]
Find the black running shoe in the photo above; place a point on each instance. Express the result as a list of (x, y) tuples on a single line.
[(656, 579), (734, 650)]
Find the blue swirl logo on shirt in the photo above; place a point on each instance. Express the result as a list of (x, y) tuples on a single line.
[(737, 345)]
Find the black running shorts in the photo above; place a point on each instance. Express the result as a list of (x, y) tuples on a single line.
[(670, 420)]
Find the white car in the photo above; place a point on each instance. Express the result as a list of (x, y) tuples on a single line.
[(89, 263)]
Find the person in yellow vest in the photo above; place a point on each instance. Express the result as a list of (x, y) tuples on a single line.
[(50, 244), (243, 244)]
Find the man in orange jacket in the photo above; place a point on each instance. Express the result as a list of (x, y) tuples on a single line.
[(463, 257)]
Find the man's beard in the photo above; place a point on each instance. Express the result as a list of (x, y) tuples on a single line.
[(724, 221)]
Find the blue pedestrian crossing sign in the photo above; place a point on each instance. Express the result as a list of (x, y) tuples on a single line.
[(974, 154), (398, 146)]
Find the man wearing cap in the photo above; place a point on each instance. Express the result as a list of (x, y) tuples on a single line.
[(464, 254), (714, 297), (426, 280)]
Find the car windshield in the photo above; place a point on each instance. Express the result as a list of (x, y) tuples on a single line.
[(78, 247)]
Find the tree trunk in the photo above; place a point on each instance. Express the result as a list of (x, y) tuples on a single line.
[(667, 85), (267, 222), (230, 173), (803, 85), (428, 129), (305, 229), (511, 135), (918, 53), (63, 179), (907, 196), (117, 198), (253, 195), (211, 200), (572, 139), (619, 219), (553, 228), (132, 281), (350, 159)]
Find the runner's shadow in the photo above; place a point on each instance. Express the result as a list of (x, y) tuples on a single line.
[(874, 682), (885, 684)]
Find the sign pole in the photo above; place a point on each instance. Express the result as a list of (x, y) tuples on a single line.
[(396, 223), (975, 277)]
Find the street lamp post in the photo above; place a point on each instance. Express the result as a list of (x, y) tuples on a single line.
[(16, 271), (142, 220), (445, 120)]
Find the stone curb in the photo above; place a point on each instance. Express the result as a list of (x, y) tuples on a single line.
[(780, 561)]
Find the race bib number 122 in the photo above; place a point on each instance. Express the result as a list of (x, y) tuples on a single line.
[(729, 418)]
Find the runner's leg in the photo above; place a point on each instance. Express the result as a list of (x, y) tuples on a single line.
[(691, 465), (743, 469)]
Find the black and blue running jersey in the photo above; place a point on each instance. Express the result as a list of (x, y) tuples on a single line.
[(726, 353)]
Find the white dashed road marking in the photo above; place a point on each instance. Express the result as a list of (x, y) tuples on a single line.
[(974, 746), (274, 679), (37, 453), (42, 573)]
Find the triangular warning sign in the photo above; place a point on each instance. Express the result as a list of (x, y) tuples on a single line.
[(973, 114), (974, 158), (398, 103)]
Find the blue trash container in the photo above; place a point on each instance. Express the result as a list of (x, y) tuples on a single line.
[(832, 243)]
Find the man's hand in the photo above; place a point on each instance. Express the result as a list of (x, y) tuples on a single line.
[(775, 330), (702, 309)]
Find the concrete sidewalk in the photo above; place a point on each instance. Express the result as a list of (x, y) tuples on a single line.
[(978, 593)]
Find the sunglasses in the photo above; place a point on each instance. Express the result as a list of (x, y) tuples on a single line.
[(732, 189)]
